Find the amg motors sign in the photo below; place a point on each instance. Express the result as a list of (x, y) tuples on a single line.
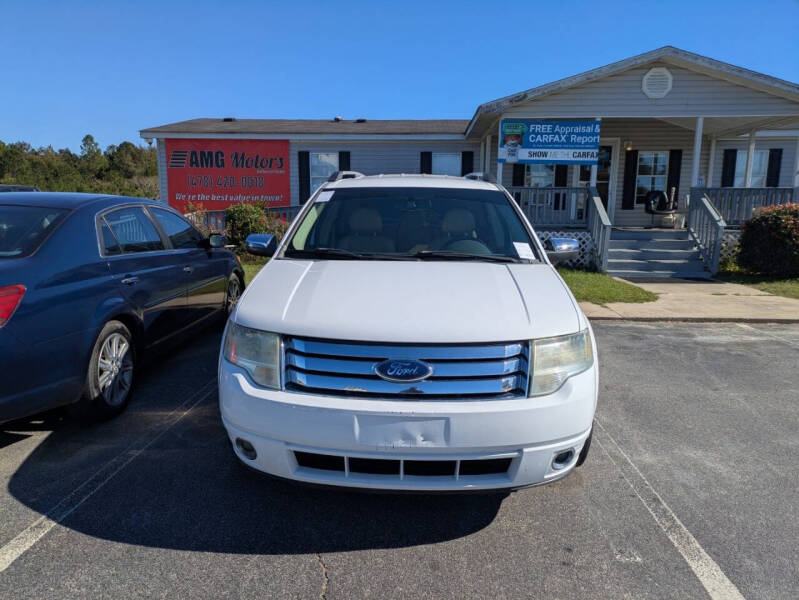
[(218, 173)]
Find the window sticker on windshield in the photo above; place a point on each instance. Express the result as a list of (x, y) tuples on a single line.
[(524, 250), (324, 197)]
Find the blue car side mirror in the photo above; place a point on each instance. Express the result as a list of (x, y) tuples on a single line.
[(261, 244), (216, 240)]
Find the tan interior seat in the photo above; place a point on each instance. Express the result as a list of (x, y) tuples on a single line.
[(366, 233)]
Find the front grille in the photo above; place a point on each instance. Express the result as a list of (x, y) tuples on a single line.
[(403, 467), (462, 371)]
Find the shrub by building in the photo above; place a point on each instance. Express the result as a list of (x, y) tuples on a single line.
[(770, 241)]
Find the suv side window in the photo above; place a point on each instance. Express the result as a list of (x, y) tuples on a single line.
[(180, 232), (133, 230)]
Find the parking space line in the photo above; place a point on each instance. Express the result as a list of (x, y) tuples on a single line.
[(39, 528), (718, 586)]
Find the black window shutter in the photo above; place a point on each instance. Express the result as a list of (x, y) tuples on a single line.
[(673, 177), (728, 167), (343, 161), (304, 159), (426, 162), (518, 175), (630, 173), (773, 173), (467, 162), (561, 175)]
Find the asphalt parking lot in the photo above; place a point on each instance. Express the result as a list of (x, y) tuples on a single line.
[(689, 492)]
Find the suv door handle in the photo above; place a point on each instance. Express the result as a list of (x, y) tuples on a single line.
[(130, 280), (188, 269)]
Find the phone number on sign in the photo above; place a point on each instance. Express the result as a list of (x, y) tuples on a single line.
[(224, 181)]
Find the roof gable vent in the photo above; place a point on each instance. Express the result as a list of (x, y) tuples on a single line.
[(656, 83)]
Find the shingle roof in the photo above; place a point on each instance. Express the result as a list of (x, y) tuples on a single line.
[(312, 126)]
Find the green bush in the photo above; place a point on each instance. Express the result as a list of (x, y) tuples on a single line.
[(244, 219), (770, 241)]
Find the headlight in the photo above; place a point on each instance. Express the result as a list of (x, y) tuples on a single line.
[(257, 352), (556, 359)]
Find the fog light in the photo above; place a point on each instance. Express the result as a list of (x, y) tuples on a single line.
[(562, 459), (246, 448)]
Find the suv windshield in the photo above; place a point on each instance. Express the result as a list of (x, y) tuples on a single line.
[(23, 228), (412, 224)]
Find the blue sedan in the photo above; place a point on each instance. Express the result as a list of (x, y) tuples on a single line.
[(91, 284)]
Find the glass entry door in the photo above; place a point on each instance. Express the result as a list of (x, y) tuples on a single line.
[(604, 173)]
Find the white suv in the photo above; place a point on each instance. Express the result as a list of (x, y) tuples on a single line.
[(409, 333)]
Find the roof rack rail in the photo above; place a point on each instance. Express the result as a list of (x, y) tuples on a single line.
[(480, 176), (338, 175)]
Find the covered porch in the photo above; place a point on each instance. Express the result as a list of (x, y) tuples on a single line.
[(718, 140)]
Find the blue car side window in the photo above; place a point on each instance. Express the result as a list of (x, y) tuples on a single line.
[(134, 230), (181, 233), (109, 242)]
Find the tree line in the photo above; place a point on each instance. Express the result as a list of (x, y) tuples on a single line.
[(124, 169)]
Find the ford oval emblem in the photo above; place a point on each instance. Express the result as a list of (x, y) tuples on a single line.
[(403, 371)]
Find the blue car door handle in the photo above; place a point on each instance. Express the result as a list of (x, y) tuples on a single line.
[(188, 269), (130, 280)]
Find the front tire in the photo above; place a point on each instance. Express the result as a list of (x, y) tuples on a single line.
[(109, 377), (234, 289)]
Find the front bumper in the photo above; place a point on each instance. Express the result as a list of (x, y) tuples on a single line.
[(529, 432)]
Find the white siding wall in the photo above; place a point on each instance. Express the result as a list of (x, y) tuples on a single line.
[(162, 191), (620, 95), (375, 157), (788, 146)]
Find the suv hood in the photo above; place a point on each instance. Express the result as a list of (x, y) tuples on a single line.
[(409, 301)]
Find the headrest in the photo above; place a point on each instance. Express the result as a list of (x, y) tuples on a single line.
[(458, 221), (366, 220)]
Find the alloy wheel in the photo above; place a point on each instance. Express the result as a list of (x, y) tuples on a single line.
[(115, 369), (233, 293)]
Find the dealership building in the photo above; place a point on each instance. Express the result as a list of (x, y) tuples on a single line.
[(667, 120)]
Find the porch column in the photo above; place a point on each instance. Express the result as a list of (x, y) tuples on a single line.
[(710, 160), (750, 159), (594, 169), (487, 158), (796, 169), (700, 121)]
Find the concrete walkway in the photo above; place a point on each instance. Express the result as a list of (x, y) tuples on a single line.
[(683, 300)]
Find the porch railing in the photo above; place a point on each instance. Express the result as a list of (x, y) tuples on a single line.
[(553, 206), (599, 226), (736, 205), (706, 227)]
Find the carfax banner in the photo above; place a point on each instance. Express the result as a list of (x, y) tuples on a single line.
[(548, 142), (217, 173)]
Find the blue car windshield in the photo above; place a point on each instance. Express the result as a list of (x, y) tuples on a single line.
[(398, 223), (23, 228)]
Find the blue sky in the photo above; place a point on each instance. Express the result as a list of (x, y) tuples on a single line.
[(112, 68)]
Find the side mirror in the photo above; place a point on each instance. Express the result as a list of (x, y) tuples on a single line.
[(561, 249), (261, 244), (217, 240)]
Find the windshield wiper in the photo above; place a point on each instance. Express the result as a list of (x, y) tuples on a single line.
[(423, 254), (340, 253)]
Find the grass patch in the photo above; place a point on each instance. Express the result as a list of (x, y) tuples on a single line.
[(601, 288), (251, 267), (789, 288)]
